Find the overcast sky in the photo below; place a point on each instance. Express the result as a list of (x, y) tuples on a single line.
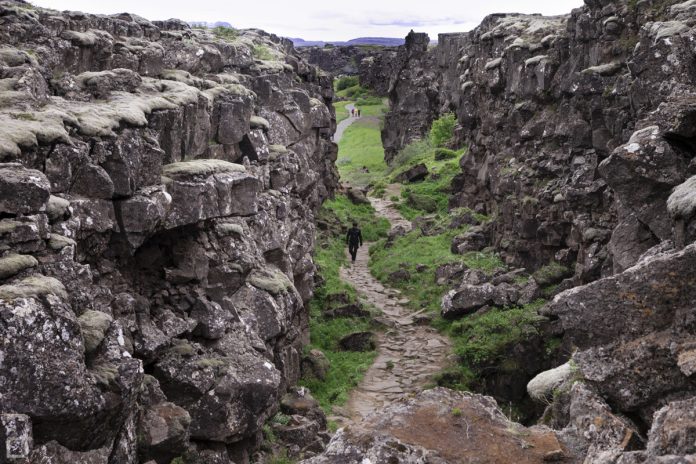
[(314, 20)]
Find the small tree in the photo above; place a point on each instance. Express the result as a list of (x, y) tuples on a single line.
[(442, 130)]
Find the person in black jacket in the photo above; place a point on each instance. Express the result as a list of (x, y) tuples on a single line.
[(354, 239)]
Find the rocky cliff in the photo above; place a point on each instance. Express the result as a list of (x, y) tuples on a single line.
[(372, 63), (580, 142), (158, 186)]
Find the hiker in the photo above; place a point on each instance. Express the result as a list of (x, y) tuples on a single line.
[(352, 112), (358, 112), (354, 239)]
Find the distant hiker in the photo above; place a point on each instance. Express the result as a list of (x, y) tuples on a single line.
[(352, 112), (354, 239), (358, 112)]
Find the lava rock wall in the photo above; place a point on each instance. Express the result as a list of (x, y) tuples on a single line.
[(158, 186)]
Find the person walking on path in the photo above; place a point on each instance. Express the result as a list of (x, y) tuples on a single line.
[(354, 239), (358, 112)]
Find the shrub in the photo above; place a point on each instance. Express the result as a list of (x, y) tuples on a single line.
[(368, 101), (344, 82), (442, 130)]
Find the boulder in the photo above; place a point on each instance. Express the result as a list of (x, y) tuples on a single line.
[(469, 298), (542, 386), (164, 430), (357, 196), (22, 190), (349, 310), (314, 365), (414, 174), (358, 341)]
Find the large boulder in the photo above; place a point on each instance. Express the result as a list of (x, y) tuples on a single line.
[(413, 174), (22, 190)]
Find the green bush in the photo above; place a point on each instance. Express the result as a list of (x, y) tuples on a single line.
[(368, 101), (442, 130), (344, 82), (422, 202)]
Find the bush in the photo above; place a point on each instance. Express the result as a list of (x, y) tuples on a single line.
[(422, 202), (442, 130), (368, 101), (344, 82)]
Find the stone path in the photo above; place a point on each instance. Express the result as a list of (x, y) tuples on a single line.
[(343, 125), (408, 353)]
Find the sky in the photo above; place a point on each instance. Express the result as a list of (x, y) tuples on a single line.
[(314, 20)]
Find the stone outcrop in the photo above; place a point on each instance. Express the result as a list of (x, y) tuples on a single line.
[(158, 186), (579, 131)]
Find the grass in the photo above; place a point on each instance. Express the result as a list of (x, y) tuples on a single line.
[(346, 367), (482, 341), (415, 249), (261, 52), (442, 130), (372, 107), (373, 227), (226, 33), (361, 147)]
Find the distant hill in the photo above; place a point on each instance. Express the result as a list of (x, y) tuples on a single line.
[(381, 41)]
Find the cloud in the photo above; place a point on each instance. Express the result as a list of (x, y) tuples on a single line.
[(304, 18)]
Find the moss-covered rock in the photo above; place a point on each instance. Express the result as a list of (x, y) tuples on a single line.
[(200, 168), (33, 287), (551, 274), (94, 325), (14, 264), (257, 122), (57, 208), (271, 280), (58, 242), (682, 202)]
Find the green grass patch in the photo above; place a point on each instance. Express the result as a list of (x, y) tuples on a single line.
[(373, 227), (359, 149), (482, 341), (347, 368), (415, 249), (354, 92)]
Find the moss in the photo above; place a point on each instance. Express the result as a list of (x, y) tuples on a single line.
[(551, 274), (8, 226), (14, 264), (57, 207), (200, 168), (58, 242), (213, 363), (271, 280), (257, 122), (105, 374), (277, 149), (262, 52), (182, 348), (94, 325), (34, 286), (229, 229), (226, 33)]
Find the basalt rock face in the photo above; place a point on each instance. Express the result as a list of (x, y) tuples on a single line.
[(580, 137), (158, 187), (373, 64)]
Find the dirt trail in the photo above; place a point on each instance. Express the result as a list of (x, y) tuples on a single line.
[(408, 353), (343, 125)]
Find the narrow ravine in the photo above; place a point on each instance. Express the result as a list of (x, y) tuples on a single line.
[(408, 353)]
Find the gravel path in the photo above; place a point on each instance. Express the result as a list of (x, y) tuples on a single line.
[(343, 125)]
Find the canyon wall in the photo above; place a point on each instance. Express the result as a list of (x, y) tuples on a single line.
[(158, 186), (580, 136)]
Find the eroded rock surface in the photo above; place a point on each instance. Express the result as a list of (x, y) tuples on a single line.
[(158, 186)]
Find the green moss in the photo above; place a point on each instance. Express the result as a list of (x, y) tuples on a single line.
[(212, 363), (270, 279), (14, 264), (58, 242), (34, 286), (94, 325), (200, 168)]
